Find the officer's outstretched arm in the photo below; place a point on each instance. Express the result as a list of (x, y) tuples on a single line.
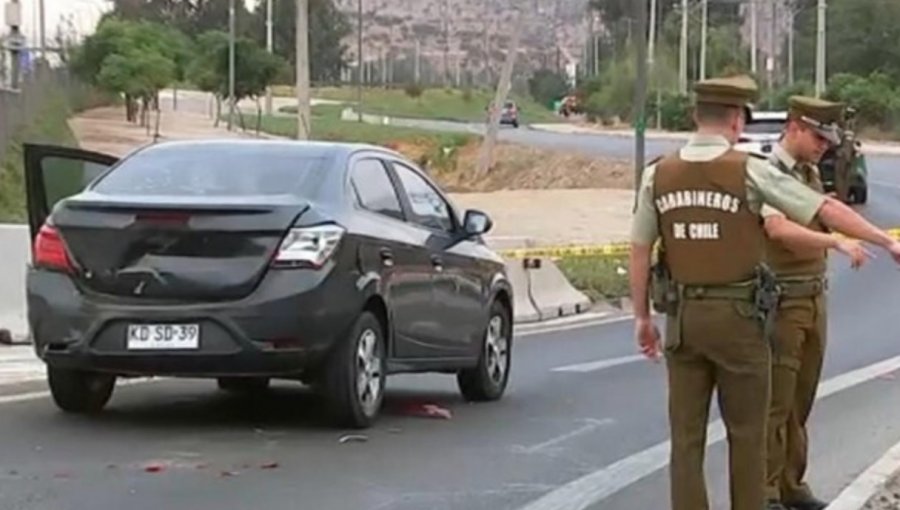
[(839, 217), (800, 239), (801, 204)]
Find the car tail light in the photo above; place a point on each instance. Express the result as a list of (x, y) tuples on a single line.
[(50, 250), (308, 246)]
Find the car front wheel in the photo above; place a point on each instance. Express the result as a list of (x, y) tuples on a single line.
[(355, 375), (488, 379), (75, 391)]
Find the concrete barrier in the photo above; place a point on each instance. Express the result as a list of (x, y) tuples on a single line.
[(520, 280), (15, 245), (552, 294)]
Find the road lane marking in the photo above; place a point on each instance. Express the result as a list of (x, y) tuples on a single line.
[(594, 487), (590, 426), (589, 323), (593, 366), (872, 480)]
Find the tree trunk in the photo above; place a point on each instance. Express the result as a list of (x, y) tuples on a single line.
[(218, 114)]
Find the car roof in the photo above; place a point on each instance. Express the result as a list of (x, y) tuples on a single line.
[(769, 115), (317, 147)]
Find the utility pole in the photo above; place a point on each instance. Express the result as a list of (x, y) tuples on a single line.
[(640, 91), (303, 117), (770, 62), (703, 36), (16, 41), (418, 63), (651, 59), (43, 30), (820, 51), (231, 37), (269, 48), (487, 146), (359, 60), (792, 13), (753, 36), (683, 54)]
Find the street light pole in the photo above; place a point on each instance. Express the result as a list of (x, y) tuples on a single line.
[(640, 92), (303, 114), (820, 51), (753, 36), (231, 37), (683, 56), (359, 60), (270, 49), (703, 36)]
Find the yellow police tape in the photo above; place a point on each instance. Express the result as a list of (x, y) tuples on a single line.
[(598, 250)]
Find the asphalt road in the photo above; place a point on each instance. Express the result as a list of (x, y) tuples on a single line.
[(582, 426)]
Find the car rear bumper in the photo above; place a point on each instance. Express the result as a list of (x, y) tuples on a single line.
[(279, 330)]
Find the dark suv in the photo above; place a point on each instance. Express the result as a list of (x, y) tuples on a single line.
[(332, 264)]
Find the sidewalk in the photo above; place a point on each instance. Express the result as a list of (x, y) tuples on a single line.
[(20, 364)]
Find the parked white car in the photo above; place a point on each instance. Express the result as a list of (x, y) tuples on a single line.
[(762, 132)]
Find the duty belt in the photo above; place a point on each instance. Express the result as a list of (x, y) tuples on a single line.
[(802, 287), (736, 292)]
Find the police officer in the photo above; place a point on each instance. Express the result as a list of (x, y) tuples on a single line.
[(704, 202), (799, 259)]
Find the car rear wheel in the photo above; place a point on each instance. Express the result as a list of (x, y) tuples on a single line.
[(355, 375), (243, 384), (75, 391), (487, 380)]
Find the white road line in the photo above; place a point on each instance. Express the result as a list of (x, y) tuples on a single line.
[(577, 325), (873, 479), (591, 425), (592, 366), (598, 485)]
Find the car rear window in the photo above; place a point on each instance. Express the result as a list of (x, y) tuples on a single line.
[(214, 170)]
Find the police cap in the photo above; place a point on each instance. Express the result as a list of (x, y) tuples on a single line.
[(823, 116), (740, 91)]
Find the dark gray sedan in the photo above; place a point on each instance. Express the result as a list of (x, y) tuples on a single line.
[(246, 260)]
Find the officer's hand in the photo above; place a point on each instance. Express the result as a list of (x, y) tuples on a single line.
[(648, 338), (895, 251), (856, 251)]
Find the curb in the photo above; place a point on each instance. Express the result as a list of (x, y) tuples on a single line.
[(856, 495)]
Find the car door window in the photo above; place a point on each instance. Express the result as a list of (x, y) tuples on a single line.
[(374, 190), (429, 208), (64, 176)]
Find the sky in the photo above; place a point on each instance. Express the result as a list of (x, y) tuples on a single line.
[(84, 15)]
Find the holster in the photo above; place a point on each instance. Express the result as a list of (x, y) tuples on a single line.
[(767, 297), (663, 291)]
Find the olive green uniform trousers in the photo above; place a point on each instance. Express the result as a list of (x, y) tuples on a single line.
[(720, 347), (800, 337)]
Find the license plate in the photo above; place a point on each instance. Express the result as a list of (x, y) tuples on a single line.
[(163, 336)]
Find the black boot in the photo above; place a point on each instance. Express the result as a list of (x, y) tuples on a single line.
[(810, 503)]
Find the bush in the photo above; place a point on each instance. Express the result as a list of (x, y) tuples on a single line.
[(675, 111), (547, 86), (875, 98), (414, 90)]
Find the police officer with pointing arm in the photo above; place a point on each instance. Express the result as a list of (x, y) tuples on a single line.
[(799, 258), (704, 204)]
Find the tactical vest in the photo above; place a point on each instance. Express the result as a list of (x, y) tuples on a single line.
[(786, 262), (709, 234)]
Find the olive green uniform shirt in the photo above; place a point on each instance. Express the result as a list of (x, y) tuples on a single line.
[(766, 185), (779, 152)]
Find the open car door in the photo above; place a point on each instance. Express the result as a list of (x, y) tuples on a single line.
[(54, 172)]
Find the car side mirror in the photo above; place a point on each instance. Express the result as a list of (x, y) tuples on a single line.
[(476, 223)]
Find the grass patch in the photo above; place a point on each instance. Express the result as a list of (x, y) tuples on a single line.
[(327, 125), (436, 103), (599, 278), (50, 126)]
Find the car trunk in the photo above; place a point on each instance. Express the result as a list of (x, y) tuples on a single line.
[(191, 251)]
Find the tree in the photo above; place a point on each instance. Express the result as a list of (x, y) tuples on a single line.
[(862, 38), (254, 69), (135, 59), (547, 86), (191, 17), (327, 29)]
